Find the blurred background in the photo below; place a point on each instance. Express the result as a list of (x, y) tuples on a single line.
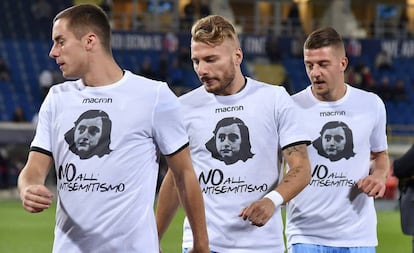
[(152, 38)]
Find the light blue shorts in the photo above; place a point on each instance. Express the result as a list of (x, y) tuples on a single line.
[(185, 250), (312, 248)]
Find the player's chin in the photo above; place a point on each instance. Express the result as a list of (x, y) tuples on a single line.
[(210, 88)]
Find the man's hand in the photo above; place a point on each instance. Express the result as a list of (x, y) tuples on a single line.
[(36, 198), (372, 186), (258, 212)]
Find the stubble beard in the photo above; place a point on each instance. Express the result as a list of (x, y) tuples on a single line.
[(223, 84)]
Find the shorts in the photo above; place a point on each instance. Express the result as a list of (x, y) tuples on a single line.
[(185, 250), (313, 248)]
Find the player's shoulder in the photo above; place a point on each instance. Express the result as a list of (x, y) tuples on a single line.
[(302, 95), (143, 81), (194, 96), (137, 84), (261, 84), (266, 89), (66, 86), (363, 95)]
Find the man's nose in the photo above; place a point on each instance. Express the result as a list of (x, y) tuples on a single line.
[(202, 68), (316, 71)]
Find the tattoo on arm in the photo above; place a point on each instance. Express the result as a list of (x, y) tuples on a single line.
[(291, 174), (291, 150), (294, 155)]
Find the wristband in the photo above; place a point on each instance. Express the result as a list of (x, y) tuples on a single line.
[(275, 197)]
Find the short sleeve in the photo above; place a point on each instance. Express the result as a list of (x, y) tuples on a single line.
[(43, 135), (378, 138), (169, 131), (291, 128)]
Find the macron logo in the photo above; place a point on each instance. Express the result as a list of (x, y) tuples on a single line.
[(97, 101), (333, 113)]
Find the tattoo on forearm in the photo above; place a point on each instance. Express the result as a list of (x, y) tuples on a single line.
[(293, 172)]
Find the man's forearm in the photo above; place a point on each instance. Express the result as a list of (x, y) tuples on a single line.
[(193, 204), (381, 166), (299, 174), (167, 204)]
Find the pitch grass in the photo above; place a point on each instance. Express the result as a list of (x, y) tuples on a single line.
[(22, 232)]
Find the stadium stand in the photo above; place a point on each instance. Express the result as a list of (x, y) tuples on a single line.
[(25, 44)]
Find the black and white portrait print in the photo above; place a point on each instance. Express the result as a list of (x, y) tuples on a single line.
[(231, 141), (91, 134), (335, 142)]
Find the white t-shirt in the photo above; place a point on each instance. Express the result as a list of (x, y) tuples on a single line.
[(46, 78), (106, 196), (234, 142), (331, 210)]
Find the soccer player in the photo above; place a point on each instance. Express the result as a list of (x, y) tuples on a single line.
[(237, 126), (106, 164), (335, 213)]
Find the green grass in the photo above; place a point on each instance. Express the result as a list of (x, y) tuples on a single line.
[(22, 232), (390, 236)]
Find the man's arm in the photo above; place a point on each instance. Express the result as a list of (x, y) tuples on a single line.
[(296, 179), (374, 183), (167, 203), (299, 174), (190, 196), (34, 195)]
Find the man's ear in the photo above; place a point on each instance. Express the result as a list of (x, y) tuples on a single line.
[(238, 56), (344, 63), (90, 40)]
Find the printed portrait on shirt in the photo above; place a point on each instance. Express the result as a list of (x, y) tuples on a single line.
[(335, 142), (91, 134), (230, 142)]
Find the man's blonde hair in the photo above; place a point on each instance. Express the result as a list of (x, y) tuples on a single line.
[(214, 29)]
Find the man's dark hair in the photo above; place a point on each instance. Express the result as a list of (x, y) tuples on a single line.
[(324, 37), (84, 18)]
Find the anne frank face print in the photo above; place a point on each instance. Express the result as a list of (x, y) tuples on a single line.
[(87, 133), (335, 141), (91, 134), (230, 142)]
